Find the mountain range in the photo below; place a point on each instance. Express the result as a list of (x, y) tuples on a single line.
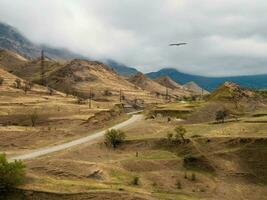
[(11, 39), (211, 83)]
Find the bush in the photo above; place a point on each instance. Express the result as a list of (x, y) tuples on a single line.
[(1, 81), (80, 100), (135, 180), (114, 138), (221, 115), (33, 118), (178, 185), (11, 173), (180, 133), (193, 177), (107, 93), (27, 86), (17, 83), (50, 91), (185, 175), (169, 137)]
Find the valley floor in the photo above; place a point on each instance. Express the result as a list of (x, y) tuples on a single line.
[(217, 161)]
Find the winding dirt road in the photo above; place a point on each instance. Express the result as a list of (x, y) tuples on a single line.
[(47, 150)]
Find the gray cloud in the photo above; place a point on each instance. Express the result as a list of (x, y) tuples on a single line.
[(225, 37)]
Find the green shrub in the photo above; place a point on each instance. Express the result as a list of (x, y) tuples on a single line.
[(114, 138), (11, 173), (180, 133), (17, 83), (221, 115), (193, 177), (33, 118), (135, 180), (169, 137), (185, 175), (178, 185)]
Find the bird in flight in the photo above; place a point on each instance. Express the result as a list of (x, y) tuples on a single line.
[(178, 44)]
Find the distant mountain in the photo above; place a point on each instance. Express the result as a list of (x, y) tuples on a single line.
[(228, 90), (121, 69), (168, 82), (211, 83), (11, 39), (147, 84), (194, 88)]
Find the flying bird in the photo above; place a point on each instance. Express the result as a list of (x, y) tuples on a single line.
[(178, 44)]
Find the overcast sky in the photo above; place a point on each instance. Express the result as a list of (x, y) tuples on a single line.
[(226, 37)]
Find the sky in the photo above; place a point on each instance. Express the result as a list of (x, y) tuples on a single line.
[(225, 37)]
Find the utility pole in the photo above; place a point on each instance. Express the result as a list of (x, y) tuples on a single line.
[(90, 98), (42, 75), (120, 96), (167, 93)]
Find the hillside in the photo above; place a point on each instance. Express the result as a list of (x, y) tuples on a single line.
[(11, 61), (84, 77), (121, 69), (168, 82), (145, 83), (88, 74), (26, 69), (195, 89), (211, 83), (230, 90)]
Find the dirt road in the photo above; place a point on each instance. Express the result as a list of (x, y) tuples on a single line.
[(90, 138)]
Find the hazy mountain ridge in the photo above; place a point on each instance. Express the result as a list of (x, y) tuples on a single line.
[(11, 39), (121, 68), (211, 83)]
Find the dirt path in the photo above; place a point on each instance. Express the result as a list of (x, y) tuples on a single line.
[(90, 138)]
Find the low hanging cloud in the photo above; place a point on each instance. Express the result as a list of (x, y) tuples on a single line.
[(225, 37)]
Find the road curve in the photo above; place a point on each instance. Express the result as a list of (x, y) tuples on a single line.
[(47, 150)]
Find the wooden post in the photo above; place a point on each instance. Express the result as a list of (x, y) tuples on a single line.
[(43, 82), (167, 93), (90, 98)]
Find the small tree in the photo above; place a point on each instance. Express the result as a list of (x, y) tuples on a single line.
[(80, 100), (193, 177), (50, 91), (180, 133), (114, 138), (135, 180), (11, 173), (107, 93), (27, 87), (33, 118), (1, 81), (169, 137), (221, 115), (178, 184), (17, 83)]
